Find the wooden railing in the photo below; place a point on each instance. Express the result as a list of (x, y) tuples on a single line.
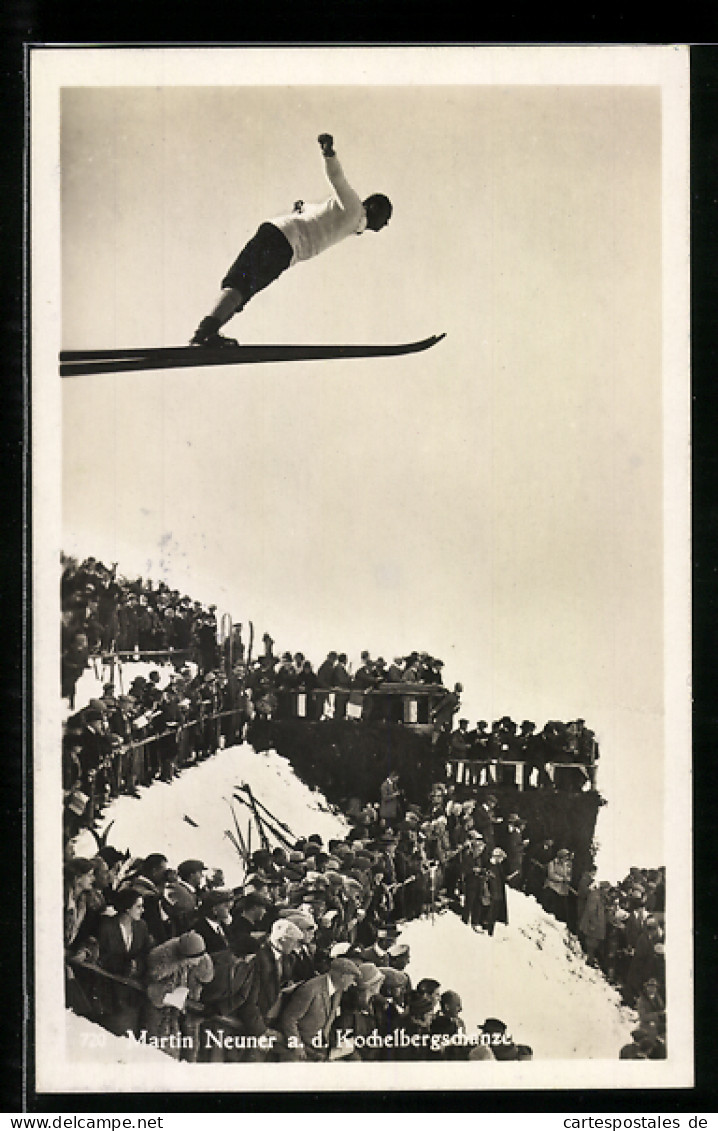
[(515, 772)]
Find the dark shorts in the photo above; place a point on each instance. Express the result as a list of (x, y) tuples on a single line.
[(260, 262)]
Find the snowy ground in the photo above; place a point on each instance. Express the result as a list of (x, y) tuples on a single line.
[(93, 1044), (189, 817), (530, 974)]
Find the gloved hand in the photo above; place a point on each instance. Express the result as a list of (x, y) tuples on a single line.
[(326, 141)]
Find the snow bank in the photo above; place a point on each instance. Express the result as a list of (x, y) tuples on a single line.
[(531, 974), (87, 1041), (157, 821)]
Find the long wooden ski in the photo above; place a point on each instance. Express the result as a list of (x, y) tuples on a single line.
[(78, 363)]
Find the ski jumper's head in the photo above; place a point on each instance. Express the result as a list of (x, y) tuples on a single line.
[(378, 210)]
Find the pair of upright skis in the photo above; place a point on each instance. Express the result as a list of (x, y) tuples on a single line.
[(78, 363)]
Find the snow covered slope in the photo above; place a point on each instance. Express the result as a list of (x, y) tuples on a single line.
[(156, 822), (531, 974)]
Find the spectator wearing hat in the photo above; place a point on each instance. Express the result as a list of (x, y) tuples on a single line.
[(150, 878), (496, 910), (325, 683), (557, 885), (79, 878), (389, 799), (377, 953), (272, 975), (641, 1045), (365, 681), (638, 915), (96, 756), (182, 894), (614, 945), (460, 741), (650, 1005), (515, 845), (485, 820), (214, 919), (442, 714), (448, 1022), (177, 971), (646, 961), (389, 1006), (113, 860), (356, 1017), (592, 922), (419, 1016), (502, 1043), (308, 1016), (245, 931), (285, 687), (302, 960), (475, 881), (538, 857), (120, 721), (342, 683)]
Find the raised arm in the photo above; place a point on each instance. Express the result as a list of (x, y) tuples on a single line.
[(348, 197)]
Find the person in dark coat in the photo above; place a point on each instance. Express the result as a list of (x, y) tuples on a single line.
[(271, 975), (650, 1005), (419, 1016), (150, 880), (123, 945), (244, 932), (514, 844), (325, 683), (502, 1043), (182, 894), (485, 820), (442, 714), (214, 918), (537, 863), (307, 683), (356, 1016), (365, 680), (342, 683), (645, 962), (449, 1023), (474, 880), (496, 911)]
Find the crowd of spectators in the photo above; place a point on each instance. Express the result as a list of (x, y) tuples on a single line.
[(118, 742), (347, 902), (104, 613), (304, 960), (333, 690), (556, 742)]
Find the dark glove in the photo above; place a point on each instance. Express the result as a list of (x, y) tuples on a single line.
[(327, 143)]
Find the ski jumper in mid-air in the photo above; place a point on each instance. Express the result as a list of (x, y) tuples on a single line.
[(285, 240)]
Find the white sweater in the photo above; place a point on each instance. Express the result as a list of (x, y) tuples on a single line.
[(319, 226)]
